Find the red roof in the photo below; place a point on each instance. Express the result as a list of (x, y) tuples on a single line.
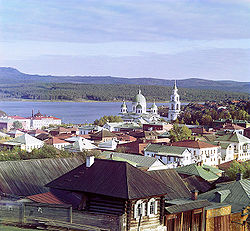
[(232, 127), (193, 144), (47, 198), (55, 140), (17, 117), (43, 117)]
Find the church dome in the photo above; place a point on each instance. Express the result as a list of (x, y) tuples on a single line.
[(154, 106), (139, 98), (123, 105)]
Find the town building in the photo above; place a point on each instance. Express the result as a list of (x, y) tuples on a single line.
[(239, 143), (7, 122), (37, 121), (171, 156), (201, 151), (236, 194), (25, 142)]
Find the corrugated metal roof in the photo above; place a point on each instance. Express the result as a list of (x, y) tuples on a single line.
[(111, 178), (187, 206), (171, 178), (193, 169), (194, 183), (165, 150), (239, 193), (141, 161), (233, 137), (28, 177)]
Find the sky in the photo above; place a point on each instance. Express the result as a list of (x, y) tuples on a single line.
[(168, 39)]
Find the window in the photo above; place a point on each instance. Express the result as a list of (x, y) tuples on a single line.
[(152, 207), (139, 209)]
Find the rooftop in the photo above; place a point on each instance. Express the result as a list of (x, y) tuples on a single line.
[(193, 144), (111, 178)]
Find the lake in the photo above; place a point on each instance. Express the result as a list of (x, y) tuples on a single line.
[(69, 112)]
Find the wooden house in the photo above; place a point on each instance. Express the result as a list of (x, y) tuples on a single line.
[(138, 198)]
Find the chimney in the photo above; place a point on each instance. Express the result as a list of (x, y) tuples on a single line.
[(89, 161), (239, 176), (194, 194), (32, 114)]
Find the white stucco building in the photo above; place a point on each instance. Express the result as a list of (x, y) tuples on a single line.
[(206, 153), (38, 121), (139, 111), (171, 156), (175, 104), (240, 146)]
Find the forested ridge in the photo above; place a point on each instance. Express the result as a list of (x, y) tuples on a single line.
[(108, 92)]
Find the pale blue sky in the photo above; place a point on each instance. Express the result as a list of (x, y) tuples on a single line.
[(162, 38)]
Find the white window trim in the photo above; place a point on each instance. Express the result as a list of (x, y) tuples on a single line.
[(136, 216), (155, 207)]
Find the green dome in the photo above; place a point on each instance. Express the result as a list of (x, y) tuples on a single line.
[(154, 106), (139, 98), (123, 105)]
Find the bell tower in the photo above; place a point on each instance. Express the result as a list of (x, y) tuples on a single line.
[(175, 104)]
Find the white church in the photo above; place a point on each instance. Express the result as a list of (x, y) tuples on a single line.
[(140, 113)]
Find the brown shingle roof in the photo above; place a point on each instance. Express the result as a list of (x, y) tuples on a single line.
[(111, 178), (193, 144)]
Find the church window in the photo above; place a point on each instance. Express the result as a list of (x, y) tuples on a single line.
[(172, 107)]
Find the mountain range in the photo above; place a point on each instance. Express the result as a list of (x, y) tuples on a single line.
[(10, 75)]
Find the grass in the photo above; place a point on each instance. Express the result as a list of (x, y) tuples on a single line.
[(13, 228)]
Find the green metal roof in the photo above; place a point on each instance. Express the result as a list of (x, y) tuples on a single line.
[(233, 137), (201, 171), (165, 150), (138, 160), (186, 205), (238, 197)]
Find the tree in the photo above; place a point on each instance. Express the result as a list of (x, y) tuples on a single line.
[(206, 120), (105, 119), (178, 133), (17, 125), (237, 167)]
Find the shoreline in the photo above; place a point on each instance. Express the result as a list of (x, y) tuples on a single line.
[(78, 101)]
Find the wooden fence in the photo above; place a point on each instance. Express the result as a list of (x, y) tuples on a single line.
[(48, 215)]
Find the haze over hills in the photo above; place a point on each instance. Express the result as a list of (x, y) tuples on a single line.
[(10, 75)]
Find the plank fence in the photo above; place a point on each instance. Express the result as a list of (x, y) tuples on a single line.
[(61, 216)]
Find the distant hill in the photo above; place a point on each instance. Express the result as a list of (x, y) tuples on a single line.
[(10, 75)]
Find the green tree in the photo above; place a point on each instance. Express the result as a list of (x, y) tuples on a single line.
[(178, 133), (206, 120), (17, 125), (105, 119), (237, 167)]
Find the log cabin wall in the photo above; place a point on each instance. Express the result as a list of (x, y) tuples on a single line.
[(106, 205), (146, 221)]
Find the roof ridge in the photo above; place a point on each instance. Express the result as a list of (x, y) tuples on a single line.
[(127, 185), (240, 182)]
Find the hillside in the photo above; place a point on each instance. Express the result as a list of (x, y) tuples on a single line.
[(10, 76)]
